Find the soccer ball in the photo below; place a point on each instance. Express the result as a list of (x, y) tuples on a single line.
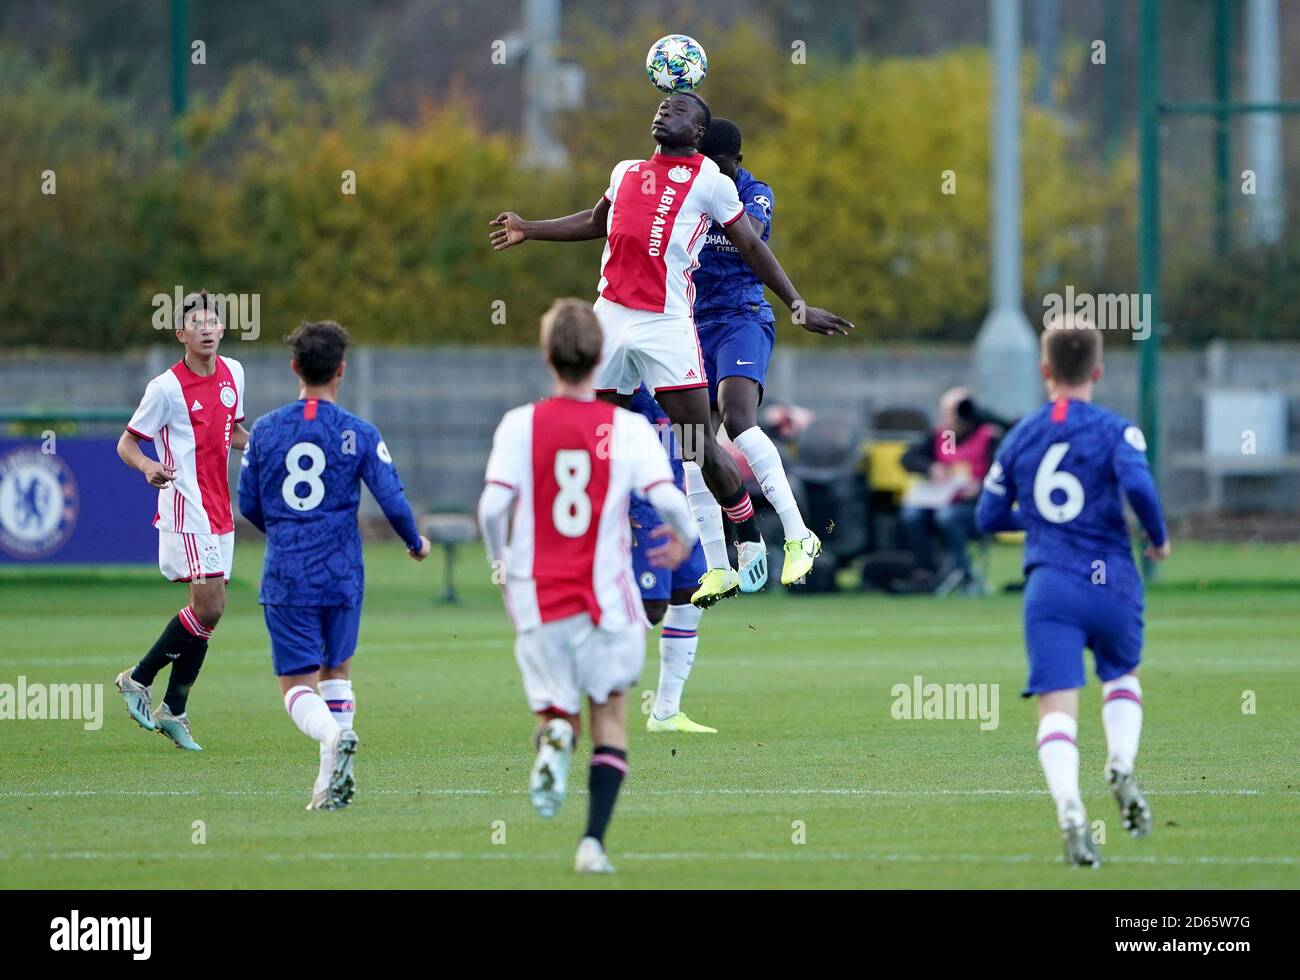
[(676, 63)]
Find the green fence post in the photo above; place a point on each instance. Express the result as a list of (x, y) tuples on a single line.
[(1149, 231), (180, 49)]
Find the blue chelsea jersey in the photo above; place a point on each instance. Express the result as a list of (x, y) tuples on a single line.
[(301, 475), (724, 282), (1070, 466)]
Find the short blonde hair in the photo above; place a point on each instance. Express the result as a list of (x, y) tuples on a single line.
[(571, 338)]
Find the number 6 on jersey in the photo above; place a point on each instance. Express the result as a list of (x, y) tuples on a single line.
[(1049, 478)]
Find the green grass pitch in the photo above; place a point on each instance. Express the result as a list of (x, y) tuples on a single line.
[(800, 688)]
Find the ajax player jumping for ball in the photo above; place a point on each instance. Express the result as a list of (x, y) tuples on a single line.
[(1069, 466), (191, 412), (558, 482), (654, 216), (300, 483)]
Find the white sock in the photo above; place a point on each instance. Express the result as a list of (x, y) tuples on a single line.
[(764, 459), (1121, 717), (677, 645), (708, 514), (311, 714), (1059, 754), (338, 695)]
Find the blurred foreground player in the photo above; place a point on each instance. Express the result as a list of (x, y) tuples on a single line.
[(666, 595), (193, 409), (300, 483), (554, 516), (1069, 466)]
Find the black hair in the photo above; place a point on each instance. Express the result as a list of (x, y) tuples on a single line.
[(703, 111), (318, 350), (201, 300), (722, 139)]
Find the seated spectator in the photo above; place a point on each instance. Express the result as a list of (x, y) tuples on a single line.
[(954, 459)]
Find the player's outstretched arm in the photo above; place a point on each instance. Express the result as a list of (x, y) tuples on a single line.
[(510, 229), (128, 449), (760, 258)]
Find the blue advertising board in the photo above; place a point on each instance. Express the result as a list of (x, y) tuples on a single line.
[(73, 501)]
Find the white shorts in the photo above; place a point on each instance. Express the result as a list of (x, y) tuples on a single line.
[(565, 659), (184, 557), (660, 349)]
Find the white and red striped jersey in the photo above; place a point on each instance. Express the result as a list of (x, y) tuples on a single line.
[(572, 465), (660, 213), (190, 419)]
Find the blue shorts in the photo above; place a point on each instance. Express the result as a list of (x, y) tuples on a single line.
[(1065, 613), (307, 638), (660, 583), (735, 345)]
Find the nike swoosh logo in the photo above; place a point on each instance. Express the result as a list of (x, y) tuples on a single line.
[(744, 362)]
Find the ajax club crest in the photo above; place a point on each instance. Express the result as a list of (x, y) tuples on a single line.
[(679, 175), (38, 503)]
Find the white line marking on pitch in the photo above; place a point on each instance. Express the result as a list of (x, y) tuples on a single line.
[(721, 791), (865, 857)]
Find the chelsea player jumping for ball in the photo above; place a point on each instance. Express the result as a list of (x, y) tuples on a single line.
[(1069, 466), (300, 483), (737, 332)]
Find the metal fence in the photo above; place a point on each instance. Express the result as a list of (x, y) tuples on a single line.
[(438, 407)]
